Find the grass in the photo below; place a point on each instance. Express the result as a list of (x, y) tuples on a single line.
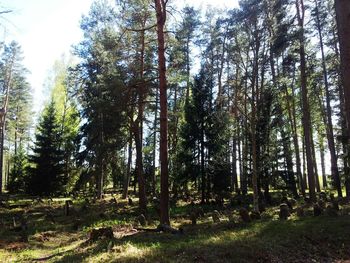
[(307, 239)]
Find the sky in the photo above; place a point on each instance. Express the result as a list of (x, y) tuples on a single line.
[(47, 29)]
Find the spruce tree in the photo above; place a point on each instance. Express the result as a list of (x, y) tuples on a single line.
[(46, 171), (18, 173)]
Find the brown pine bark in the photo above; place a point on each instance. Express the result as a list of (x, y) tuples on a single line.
[(101, 170), (138, 129), (160, 6), (128, 169), (329, 124), (306, 119), (254, 103), (342, 8)]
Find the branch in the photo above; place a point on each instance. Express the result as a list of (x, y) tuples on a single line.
[(142, 29), (5, 12)]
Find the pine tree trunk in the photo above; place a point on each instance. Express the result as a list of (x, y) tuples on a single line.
[(301, 176), (253, 130), (329, 124), (305, 102), (154, 146), (128, 169), (344, 128), (289, 164), (160, 6), (342, 8), (324, 178), (203, 187), (100, 175), (317, 179), (234, 164), (138, 129)]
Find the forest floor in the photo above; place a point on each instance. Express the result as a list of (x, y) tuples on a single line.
[(54, 237)]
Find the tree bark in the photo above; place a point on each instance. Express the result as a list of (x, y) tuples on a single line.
[(323, 166), (160, 6), (306, 119), (154, 146), (138, 129), (128, 168), (317, 180), (329, 124), (342, 8)]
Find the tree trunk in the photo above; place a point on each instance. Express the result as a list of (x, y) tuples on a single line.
[(306, 119), (154, 146), (253, 130), (203, 187), (342, 8), (344, 128), (128, 169), (329, 124), (100, 175), (234, 163), (1, 155), (323, 167), (138, 129), (160, 6), (317, 180), (289, 164)]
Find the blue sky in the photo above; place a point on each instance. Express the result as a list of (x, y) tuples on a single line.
[(46, 29)]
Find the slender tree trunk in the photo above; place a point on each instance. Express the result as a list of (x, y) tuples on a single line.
[(128, 169), (3, 112), (305, 102), (255, 94), (203, 187), (292, 119), (317, 179), (187, 70), (234, 163), (1, 155), (100, 175), (160, 6), (240, 161), (329, 124), (323, 166), (138, 129), (245, 147), (154, 146), (289, 164)]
